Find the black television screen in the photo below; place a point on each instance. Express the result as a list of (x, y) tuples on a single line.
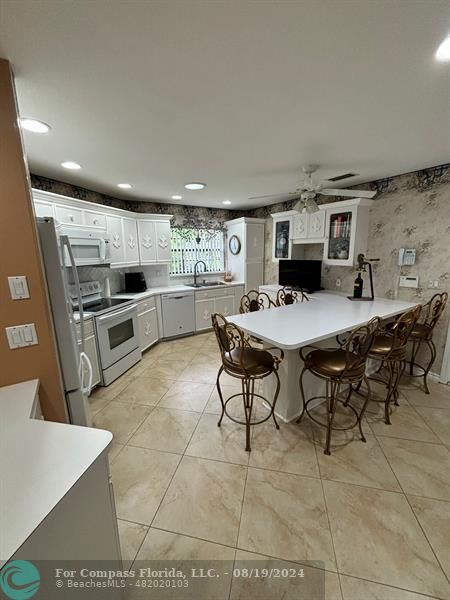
[(302, 274)]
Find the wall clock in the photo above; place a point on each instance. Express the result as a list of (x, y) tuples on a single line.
[(234, 244)]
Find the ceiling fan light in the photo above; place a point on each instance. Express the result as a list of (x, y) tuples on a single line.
[(311, 206)]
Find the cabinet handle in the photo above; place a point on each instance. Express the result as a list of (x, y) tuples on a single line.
[(95, 221), (71, 218)]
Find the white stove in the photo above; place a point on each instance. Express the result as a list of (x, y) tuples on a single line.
[(116, 327)]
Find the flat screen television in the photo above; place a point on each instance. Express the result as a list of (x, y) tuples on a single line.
[(300, 274)]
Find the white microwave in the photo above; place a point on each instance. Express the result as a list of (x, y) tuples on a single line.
[(88, 247)]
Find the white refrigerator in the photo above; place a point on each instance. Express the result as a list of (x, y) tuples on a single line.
[(76, 369)]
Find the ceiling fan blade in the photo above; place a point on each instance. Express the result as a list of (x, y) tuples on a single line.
[(272, 195), (348, 193)]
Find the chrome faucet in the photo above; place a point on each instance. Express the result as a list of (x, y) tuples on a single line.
[(196, 272)]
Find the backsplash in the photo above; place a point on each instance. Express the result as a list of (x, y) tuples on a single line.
[(411, 211)]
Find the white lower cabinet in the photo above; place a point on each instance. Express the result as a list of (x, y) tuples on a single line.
[(148, 328), (208, 302), (225, 305), (203, 311)]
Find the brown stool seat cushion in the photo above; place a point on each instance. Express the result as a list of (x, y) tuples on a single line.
[(254, 361), (333, 363), (421, 331), (382, 345)]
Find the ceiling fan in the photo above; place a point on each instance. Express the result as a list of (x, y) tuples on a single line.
[(308, 190)]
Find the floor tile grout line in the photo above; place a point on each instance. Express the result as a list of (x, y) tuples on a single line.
[(428, 540), (304, 563), (429, 426), (326, 510), (414, 514)]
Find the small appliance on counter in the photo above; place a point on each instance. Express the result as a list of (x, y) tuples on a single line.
[(135, 283)]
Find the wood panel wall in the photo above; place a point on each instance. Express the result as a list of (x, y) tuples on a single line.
[(19, 255)]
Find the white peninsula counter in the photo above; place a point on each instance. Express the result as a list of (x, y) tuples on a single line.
[(315, 322), (56, 502)]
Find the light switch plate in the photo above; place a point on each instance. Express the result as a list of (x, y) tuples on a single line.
[(20, 336), (409, 281), (18, 287)]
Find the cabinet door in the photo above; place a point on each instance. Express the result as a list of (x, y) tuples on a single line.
[(316, 224), (163, 241), (203, 311), (254, 275), (147, 241), (131, 241), (148, 329), (281, 244), (114, 228), (69, 215), (44, 209), (300, 226), (340, 236), (225, 306), (90, 347), (254, 241), (94, 219)]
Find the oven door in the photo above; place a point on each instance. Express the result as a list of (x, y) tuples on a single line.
[(88, 251), (117, 334)]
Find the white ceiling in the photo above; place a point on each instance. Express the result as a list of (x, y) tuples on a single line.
[(236, 93)]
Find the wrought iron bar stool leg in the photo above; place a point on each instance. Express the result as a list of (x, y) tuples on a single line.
[(364, 406), (275, 398), (332, 403), (415, 347), (302, 391), (219, 390), (432, 348)]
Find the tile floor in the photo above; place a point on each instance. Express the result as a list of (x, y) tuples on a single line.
[(372, 519)]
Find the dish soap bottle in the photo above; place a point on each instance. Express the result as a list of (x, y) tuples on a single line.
[(358, 286)]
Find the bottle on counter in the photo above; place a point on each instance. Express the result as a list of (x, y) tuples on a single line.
[(358, 286)]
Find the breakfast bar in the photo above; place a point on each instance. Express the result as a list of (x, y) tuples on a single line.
[(315, 322)]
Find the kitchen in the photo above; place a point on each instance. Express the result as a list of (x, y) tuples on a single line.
[(110, 360)]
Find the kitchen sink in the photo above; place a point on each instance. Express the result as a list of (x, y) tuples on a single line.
[(205, 284)]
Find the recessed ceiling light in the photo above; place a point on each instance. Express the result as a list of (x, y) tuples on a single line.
[(69, 164), (226, 202), (177, 197), (195, 185), (124, 186), (34, 125), (443, 52)]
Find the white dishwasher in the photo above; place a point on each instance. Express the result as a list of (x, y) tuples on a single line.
[(178, 314)]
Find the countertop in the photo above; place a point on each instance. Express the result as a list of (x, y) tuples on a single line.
[(39, 462), (324, 316), (173, 289)]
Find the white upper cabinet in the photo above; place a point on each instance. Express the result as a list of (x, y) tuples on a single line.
[(346, 231), (163, 241), (341, 227), (147, 241), (316, 225), (130, 237), (299, 226), (116, 241), (134, 238), (44, 209)]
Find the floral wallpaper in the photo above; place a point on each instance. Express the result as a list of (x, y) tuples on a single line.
[(410, 211)]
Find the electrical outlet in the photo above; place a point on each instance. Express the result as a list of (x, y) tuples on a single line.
[(430, 283), (338, 282), (436, 283)]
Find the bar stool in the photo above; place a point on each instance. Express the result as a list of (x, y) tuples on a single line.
[(253, 301), (422, 333), (389, 348), (344, 366), (248, 364), (286, 296)]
